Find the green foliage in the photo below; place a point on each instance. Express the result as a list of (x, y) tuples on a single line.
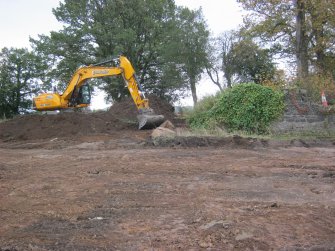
[(249, 107), (19, 70), (245, 107), (190, 46), (240, 59), (220, 59), (276, 22), (152, 34), (201, 117), (251, 63)]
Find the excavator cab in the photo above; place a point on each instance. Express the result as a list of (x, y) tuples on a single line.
[(84, 95), (81, 97)]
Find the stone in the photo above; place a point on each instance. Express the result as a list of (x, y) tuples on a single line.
[(162, 132), (274, 204), (168, 124), (216, 224), (243, 236)]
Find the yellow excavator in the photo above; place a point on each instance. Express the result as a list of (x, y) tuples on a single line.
[(77, 93)]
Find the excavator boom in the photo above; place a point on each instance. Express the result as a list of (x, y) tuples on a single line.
[(77, 94)]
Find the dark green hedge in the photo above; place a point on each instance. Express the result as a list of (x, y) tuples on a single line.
[(245, 107)]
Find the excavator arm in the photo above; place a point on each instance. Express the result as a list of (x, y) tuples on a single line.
[(73, 96)]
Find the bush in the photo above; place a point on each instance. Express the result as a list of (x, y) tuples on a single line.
[(200, 117), (246, 107)]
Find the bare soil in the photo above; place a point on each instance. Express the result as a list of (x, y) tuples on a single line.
[(114, 190), (121, 116)]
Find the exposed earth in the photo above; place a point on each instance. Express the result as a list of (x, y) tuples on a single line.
[(79, 181)]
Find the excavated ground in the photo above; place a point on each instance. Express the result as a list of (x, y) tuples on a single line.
[(94, 182), (121, 116)]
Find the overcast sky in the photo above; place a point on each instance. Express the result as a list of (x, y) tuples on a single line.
[(220, 15), (21, 19)]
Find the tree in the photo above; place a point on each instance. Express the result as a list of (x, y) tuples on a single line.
[(98, 30), (300, 28), (101, 29), (191, 44), (63, 52), (221, 60), (240, 60), (250, 63), (19, 70), (301, 40), (321, 16)]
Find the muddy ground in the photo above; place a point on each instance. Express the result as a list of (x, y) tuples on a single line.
[(115, 190)]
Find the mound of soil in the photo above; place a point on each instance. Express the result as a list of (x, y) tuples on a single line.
[(120, 116), (126, 110)]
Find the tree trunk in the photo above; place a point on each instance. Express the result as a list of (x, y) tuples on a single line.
[(228, 78), (215, 81), (193, 90), (302, 42), (318, 24), (227, 70), (17, 101)]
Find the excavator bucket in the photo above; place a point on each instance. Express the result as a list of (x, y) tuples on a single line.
[(149, 120)]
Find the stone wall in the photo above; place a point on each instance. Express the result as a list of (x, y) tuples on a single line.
[(301, 114)]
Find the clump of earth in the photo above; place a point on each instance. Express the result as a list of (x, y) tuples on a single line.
[(120, 116)]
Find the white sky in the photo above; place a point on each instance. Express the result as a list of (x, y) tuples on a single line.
[(21, 19), (220, 15)]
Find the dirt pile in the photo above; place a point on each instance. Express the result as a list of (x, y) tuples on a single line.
[(120, 116), (126, 110), (59, 125)]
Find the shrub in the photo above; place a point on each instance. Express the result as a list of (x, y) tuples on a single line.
[(246, 107), (200, 117)]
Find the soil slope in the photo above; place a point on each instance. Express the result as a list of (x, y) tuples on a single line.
[(120, 116)]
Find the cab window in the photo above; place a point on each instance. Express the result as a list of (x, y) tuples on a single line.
[(84, 95)]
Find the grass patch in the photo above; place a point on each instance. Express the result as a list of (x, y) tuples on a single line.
[(218, 132), (307, 135)]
